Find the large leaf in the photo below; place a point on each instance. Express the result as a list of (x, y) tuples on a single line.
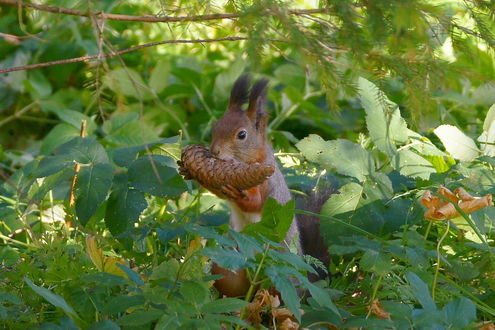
[(124, 156), (420, 291), (458, 144), (124, 207), (92, 186), (460, 312), (275, 221), (156, 175), (128, 82), (386, 126), (409, 163), (344, 156), (346, 200)]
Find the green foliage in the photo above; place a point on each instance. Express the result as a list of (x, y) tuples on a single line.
[(376, 140)]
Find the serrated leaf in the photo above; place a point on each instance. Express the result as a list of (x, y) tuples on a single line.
[(275, 221), (420, 291), (123, 208), (286, 289), (194, 292), (386, 126), (229, 259), (156, 175), (458, 144), (224, 305), (346, 200), (460, 312), (409, 163), (92, 186), (124, 156), (344, 156), (373, 261)]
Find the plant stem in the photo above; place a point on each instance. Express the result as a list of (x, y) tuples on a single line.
[(437, 269), (253, 285), (375, 292)]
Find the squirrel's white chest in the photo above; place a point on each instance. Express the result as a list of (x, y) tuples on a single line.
[(240, 219)]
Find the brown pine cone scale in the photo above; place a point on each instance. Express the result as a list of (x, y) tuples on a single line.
[(213, 173)]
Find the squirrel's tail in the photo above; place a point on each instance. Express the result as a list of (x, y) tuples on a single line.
[(309, 230)]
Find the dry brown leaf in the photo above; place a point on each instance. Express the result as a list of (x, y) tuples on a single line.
[(488, 325), (377, 309), (463, 194), (442, 210), (288, 324), (213, 173)]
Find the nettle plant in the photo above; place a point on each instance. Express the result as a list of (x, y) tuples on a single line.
[(159, 232)]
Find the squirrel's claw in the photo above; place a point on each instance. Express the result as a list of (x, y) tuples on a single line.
[(232, 192)]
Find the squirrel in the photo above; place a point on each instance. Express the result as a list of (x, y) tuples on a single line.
[(240, 134)]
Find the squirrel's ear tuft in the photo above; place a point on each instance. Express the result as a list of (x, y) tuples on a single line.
[(240, 93), (257, 100)]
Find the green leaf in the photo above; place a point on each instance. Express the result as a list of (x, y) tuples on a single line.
[(92, 186), (386, 126), (59, 135), (105, 325), (226, 258), (458, 144), (286, 289), (121, 303), (344, 156), (346, 200), (75, 119), (409, 163), (128, 82), (124, 156), (460, 312), (156, 175), (38, 84), (140, 317), (52, 298), (131, 274), (194, 292), (159, 76), (275, 221), (224, 305), (421, 292), (123, 208), (373, 261)]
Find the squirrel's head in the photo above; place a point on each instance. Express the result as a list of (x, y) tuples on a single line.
[(241, 134)]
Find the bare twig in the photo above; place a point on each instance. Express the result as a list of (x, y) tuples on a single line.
[(147, 18), (123, 51)]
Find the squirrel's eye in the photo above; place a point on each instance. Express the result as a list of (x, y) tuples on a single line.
[(242, 135)]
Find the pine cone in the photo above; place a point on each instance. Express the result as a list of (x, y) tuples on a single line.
[(199, 164)]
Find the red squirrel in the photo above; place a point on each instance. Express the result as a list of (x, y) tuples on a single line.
[(240, 134)]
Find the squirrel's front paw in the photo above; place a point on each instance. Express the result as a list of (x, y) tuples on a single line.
[(232, 192), (185, 173)]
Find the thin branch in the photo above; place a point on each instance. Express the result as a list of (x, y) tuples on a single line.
[(148, 18), (120, 52)]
